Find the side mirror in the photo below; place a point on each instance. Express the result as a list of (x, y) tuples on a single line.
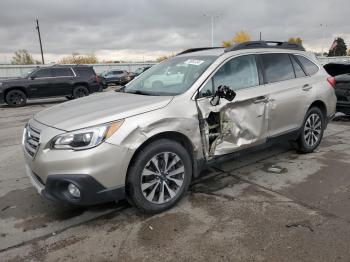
[(32, 77), (222, 92)]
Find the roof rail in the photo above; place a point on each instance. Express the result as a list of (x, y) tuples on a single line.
[(265, 44), (191, 50)]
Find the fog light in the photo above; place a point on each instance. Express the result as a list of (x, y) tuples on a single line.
[(73, 190)]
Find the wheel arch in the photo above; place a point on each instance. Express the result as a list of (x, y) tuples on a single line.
[(15, 88), (174, 136), (322, 106), (81, 84)]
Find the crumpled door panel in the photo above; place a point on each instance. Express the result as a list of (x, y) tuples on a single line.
[(232, 126)]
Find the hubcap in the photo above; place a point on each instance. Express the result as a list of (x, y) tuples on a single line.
[(312, 129), (16, 98), (81, 92), (162, 177)]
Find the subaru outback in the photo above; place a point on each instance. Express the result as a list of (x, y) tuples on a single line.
[(147, 143)]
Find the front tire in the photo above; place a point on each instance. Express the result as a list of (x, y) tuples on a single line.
[(159, 176), (16, 98), (312, 131)]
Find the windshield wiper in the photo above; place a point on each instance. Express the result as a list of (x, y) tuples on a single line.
[(138, 92)]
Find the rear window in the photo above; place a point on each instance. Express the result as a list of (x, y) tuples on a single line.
[(62, 72), (277, 67), (299, 72), (84, 71), (309, 66)]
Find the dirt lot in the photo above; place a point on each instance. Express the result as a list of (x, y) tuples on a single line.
[(273, 205)]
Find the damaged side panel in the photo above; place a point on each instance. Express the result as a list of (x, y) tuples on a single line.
[(232, 126)]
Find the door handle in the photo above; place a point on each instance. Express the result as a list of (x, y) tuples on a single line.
[(260, 99), (306, 87)]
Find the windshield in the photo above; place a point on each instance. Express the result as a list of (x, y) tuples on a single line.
[(171, 77), (28, 72)]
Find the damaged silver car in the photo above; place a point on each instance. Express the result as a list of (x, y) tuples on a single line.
[(148, 141)]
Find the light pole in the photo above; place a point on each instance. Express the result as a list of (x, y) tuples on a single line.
[(212, 18), (324, 29)]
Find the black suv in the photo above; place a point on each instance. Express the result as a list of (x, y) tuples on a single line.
[(341, 72), (58, 80)]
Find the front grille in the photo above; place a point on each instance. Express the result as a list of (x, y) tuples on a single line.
[(31, 140)]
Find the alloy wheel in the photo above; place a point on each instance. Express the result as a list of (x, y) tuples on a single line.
[(162, 177), (16, 98), (312, 129), (80, 92)]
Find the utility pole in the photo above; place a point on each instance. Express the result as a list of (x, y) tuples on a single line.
[(260, 36), (41, 46)]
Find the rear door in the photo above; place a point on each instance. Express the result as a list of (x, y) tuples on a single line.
[(62, 81), (40, 83), (289, 92), (241, 123)]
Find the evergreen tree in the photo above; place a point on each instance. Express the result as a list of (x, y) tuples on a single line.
[(338, 48)]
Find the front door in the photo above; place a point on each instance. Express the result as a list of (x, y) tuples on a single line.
[(40, 83), (234, 125)]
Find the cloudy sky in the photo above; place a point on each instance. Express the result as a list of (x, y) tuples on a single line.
[(145, 29)]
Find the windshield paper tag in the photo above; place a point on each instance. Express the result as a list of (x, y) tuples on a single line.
[(194, 62)]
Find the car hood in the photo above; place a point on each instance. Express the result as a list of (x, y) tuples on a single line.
[(12, 80), (98, 109)]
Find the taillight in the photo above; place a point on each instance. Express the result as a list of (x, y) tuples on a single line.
[(332, 81), (97, 79)]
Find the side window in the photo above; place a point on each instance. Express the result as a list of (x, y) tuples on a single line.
[(207, 90), (238, 73), (277, 67), (309, 66), (62, 72), (84, 71), (43, 73), (299, 72)]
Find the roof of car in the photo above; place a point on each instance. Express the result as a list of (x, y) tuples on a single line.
[(260, 46), (204, 52)]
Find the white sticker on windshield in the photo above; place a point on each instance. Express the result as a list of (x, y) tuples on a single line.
[(194, 62)]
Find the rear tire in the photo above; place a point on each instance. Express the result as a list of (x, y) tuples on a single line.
[(312, 131), (16, 98), (80, 91), (159, 176)]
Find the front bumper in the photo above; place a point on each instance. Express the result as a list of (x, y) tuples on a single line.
[(2, 98), (98, 172), (91, 191), (343, 107)]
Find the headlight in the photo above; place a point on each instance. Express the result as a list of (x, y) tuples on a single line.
[(85, 138)]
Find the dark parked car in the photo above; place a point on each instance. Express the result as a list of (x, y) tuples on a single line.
[(140, 70), (341, 72), (117, 77), (69, 81)]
